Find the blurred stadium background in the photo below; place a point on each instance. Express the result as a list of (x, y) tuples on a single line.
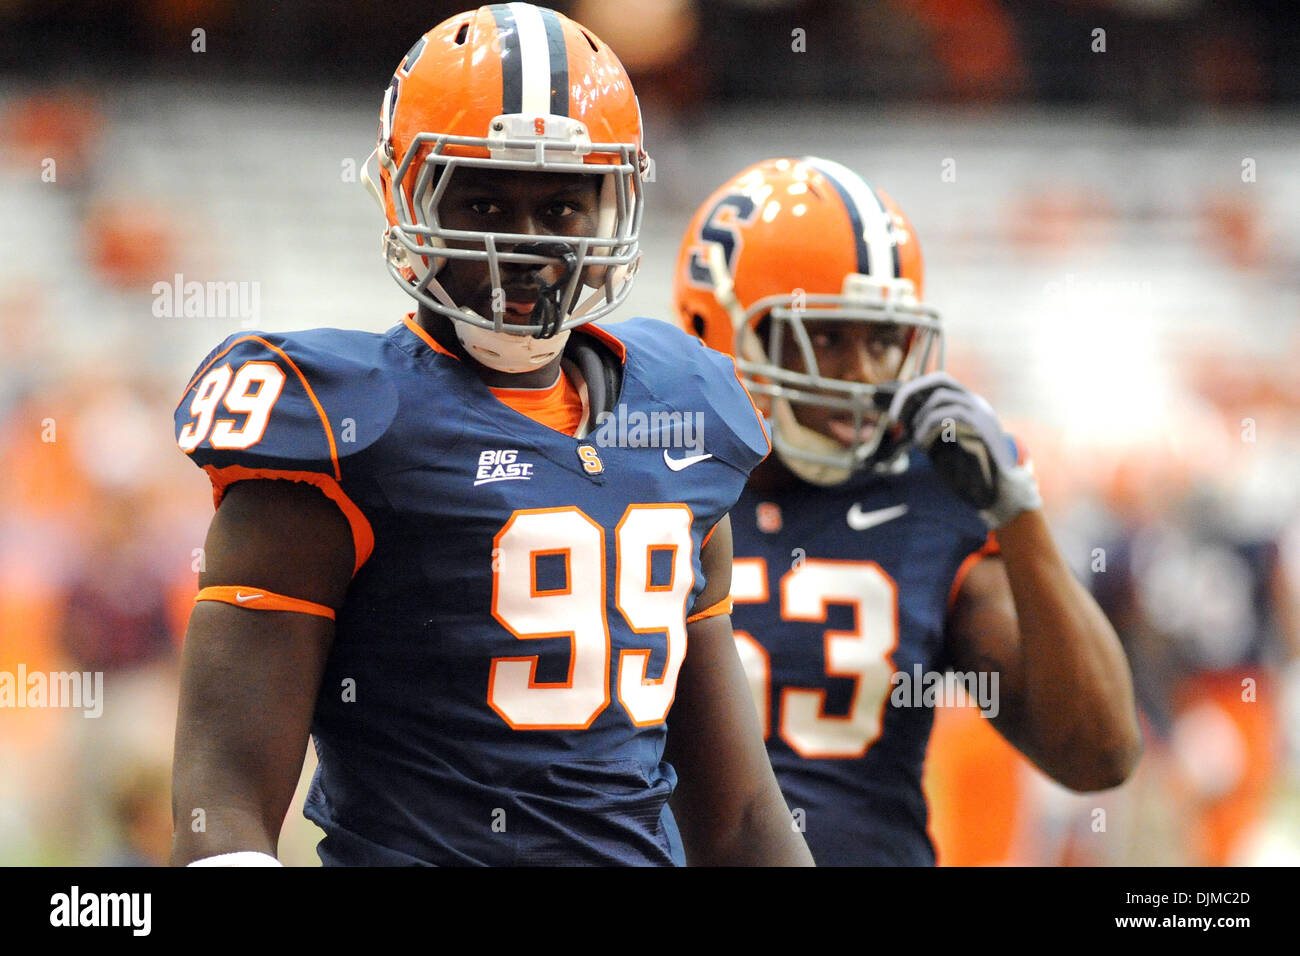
[(1113, 238)]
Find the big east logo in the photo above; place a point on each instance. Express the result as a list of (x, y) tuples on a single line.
[(501, 465)]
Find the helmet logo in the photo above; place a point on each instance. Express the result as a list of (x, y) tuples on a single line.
[(413, 54), (722, 226)]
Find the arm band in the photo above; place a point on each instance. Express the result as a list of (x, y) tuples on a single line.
[(239, 858), (722, 607), (260, 599)]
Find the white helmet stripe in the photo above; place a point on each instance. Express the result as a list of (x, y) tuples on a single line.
[(535, 58), (877, 228)]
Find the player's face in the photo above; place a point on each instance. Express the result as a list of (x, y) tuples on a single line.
[(869, 353), (497, 200)]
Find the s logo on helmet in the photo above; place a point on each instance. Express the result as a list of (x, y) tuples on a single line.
[(390, 95), (413, 54), (731, 211)]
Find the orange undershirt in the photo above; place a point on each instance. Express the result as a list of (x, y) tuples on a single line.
[(558, 407)]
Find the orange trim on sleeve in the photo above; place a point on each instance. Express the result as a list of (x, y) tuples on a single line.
[(260, 599), (757, 414), (363, 536), (710, 534), (988, 549), (722, 607), (425, 337), (329, 430)]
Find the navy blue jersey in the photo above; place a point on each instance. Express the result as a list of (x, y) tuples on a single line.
[(506, 657), (836, 590)]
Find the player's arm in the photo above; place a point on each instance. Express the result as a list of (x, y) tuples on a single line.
[(250, 677), (727, 803), (1065, 694)]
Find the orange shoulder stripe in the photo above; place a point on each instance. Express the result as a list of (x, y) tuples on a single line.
[(757, 414), (425, 337), (260, 599), (607, 337)]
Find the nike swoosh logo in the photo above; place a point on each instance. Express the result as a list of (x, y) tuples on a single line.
[(677, 464), (241, 598), (860, 520)]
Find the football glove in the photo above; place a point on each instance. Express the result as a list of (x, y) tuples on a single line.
[(960, 432)]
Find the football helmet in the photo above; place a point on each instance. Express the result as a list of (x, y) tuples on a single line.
[(788, 241), (517, 87)]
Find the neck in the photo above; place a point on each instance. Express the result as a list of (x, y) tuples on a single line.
[(772, 475), (440, 328)]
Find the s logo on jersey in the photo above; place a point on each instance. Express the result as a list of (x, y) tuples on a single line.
[(501, 464)]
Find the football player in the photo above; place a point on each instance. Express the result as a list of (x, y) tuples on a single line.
[(896, 533), (425, 553)]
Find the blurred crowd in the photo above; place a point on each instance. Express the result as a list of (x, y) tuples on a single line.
[(1189, 538), (1194, 555), (1154, 58)]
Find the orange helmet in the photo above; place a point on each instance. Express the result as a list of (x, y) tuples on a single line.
[(789, 240), (518, 87)]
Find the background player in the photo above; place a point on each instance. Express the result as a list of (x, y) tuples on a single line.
[(422, 555), (885, 487)]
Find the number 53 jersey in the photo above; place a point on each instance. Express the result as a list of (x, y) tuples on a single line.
[(506, 657), (841, 595)]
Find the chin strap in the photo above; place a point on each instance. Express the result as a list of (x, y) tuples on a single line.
[(547, 309)]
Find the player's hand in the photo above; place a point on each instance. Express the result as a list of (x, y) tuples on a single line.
[(962, 435)]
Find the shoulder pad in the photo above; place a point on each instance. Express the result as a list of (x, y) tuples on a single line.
[(687, 375), (302, 401)]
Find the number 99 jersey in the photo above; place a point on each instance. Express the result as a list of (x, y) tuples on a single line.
[(841, 594), (506, 658)]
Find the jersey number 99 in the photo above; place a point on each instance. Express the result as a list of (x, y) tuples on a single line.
[(252, 391), (577, 611)]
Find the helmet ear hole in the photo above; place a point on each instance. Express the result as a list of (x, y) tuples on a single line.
[(697, 322)]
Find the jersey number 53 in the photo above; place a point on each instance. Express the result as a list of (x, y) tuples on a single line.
[(862, 654)]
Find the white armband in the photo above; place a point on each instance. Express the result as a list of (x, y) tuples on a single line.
[(240, 858)]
